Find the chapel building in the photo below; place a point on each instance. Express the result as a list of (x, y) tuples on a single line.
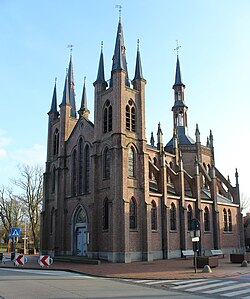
[(110, 195)]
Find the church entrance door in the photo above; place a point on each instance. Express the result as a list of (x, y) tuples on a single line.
[(81, 241), (80, 232)]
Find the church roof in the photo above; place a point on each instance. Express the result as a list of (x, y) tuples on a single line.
[(119, 57), (138, 66), (53, 108)]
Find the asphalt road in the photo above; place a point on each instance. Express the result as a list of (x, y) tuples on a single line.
[(22, 283)]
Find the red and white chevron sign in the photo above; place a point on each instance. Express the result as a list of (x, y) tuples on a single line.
[(20, 260), (45, 260)]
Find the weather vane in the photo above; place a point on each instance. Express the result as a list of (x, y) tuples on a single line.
[(71, 48), (120, 10), (177, 47)]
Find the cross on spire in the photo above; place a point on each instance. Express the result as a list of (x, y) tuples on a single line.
[(71, 49), (177, 47), (120, 10)]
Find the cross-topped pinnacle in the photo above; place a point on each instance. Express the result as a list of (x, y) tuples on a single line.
[(177, 47), (120, 10), (138, 44), (71, 48)]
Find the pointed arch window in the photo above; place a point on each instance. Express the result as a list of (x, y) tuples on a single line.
[(132, 214), (53, 180), (105, 223), (73, 174), (81, 216), (206, 219), (106, 164), (87, 169), (52, 220), (131, 116), (131, 162), (56, 142), (230, 226), (81, 166), (107, 117), (153, 215), (189, 217), (225, 226), (172, 217)]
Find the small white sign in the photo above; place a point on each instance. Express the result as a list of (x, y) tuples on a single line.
[(195, 239)]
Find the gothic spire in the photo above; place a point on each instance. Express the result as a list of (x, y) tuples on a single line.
[(84, 109), (53, 108), (119, 57), (138, 67), (100, 74), (65, 99), (71, 87), (152, 140), (178, 80)]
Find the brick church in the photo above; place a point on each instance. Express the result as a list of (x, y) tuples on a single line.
[(109, 194)]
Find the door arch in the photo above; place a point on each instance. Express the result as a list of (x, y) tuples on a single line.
[(81, 236)]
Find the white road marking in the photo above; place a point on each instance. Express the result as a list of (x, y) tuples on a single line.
[(237, 286)]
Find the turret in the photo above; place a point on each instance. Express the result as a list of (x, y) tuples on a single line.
[(119, 57), (159, 137), (152, 140), (84, 109), (71, 84), (179, 111), (100, 79), (53, 113), (138, 70)]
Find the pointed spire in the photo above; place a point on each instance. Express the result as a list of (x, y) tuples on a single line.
[(211, 139), (53, 108), (152, 140), (138, 67), (208, 145), (236, 176), (100, 74), (197, 134), (159, 136), (65, 99), (119, 57), (178, 80), (71, 84), (84, 109)]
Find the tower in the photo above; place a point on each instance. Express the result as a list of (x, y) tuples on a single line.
[(119, 150)]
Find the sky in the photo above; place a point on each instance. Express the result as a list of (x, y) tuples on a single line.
[(214, 57)]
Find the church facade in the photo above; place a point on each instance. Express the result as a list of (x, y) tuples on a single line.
[(108, 194)]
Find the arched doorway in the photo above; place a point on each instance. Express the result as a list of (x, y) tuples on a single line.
[(80, 232)]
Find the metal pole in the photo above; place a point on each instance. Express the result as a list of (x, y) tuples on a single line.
[(195, 261)]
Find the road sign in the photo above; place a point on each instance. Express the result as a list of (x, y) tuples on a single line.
[(15, 232), (45, 260), (195, 239), (20, 260)]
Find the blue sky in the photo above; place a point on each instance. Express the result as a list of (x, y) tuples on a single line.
[(214, 56)]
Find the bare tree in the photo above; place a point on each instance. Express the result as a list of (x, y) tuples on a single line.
[(11, 210), (31, 185), (244, 203)]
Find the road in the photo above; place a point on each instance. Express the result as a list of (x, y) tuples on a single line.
[(21, 283), (230, 287)]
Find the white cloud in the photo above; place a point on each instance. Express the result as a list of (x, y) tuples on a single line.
[(3, 153), (31, 156), (4, 142)]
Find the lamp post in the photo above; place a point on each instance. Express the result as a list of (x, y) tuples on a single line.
[(195, 235)]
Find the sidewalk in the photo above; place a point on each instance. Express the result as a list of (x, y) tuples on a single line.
[(160, 269)]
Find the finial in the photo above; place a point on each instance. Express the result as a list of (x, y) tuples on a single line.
[(102, 45), (84, 78), (177, 47), (138, 44), (120, 11), (71, 49), (55, 80)]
